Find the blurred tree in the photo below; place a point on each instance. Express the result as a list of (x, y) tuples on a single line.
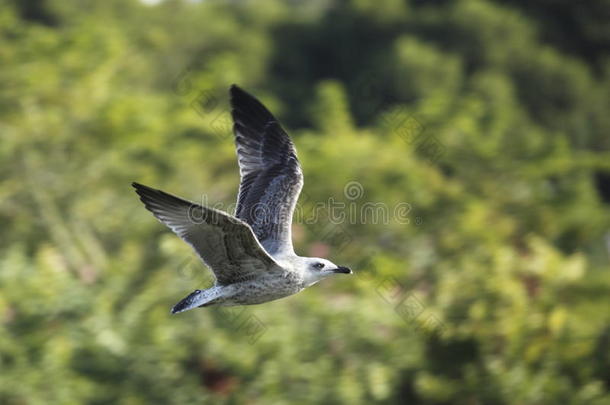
[(480, 127)]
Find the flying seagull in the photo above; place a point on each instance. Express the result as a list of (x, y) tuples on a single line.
[(251, 253)]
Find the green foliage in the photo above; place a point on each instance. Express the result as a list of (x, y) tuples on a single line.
[(479, 127)]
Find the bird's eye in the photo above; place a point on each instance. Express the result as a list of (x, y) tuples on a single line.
[(319, 265)]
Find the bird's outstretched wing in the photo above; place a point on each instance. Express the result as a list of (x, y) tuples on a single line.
[(271, 176), (225, 244)]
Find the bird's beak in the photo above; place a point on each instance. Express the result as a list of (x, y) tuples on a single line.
[(344, 270)]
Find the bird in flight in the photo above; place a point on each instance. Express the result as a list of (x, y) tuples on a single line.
[(251, 253)]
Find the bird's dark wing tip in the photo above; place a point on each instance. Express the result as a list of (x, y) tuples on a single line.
[(240, 98), (141, 187), (236, 91), (142, 190)]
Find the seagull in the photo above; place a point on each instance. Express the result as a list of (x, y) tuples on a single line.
[(250, 253)]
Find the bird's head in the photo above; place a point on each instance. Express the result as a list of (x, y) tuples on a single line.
[(317, 268)]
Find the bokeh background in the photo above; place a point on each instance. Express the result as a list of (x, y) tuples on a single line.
[(486, 121)]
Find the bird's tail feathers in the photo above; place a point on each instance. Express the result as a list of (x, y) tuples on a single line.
[(198, 298)]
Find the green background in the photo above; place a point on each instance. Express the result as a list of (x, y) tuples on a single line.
[(481, 128)]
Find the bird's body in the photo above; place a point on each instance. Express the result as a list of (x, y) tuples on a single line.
[(251, 253), (262, 289)]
